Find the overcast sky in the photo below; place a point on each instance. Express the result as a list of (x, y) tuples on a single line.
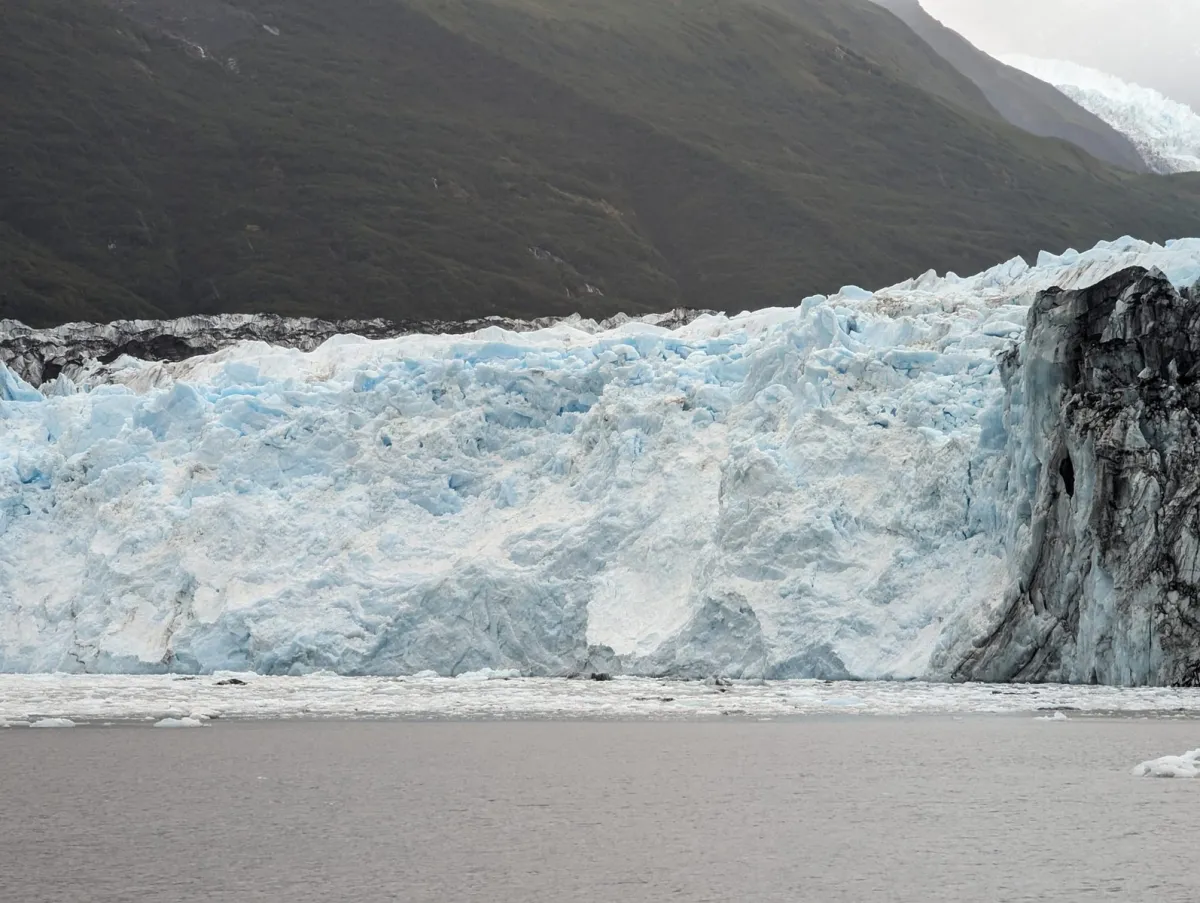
[(1153, 42)]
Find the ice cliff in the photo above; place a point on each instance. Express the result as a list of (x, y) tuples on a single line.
[(867, 485)]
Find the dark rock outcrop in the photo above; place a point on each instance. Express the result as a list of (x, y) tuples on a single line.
[(1103, 417)]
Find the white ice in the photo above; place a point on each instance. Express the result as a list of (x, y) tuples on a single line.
[(151, 698), (52, 722), (180, 722), (1185, 766), (789, 493), (1165, 132), (481, 674)]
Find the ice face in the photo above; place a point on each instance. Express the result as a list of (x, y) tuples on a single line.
[(803, 492)]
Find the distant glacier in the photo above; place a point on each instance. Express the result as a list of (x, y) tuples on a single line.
[(1165, 132), (850, 488)]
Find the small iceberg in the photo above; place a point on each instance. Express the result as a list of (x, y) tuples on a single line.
[(1057, 716), (1185, 766), (180, 722), (490, 674)]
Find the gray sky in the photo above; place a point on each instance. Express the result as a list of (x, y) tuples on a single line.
[(1155, 43)]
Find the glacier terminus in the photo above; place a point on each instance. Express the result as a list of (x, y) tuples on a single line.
[(983, 478)]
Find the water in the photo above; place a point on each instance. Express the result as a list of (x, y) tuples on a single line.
[(824, 809)]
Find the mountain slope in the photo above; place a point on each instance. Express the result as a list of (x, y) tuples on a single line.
[(1166, 133), (1147, 42), (418, 159), (863, 28), (1020, 98)]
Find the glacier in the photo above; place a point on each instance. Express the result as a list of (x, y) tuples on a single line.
[(847, 489), (40, 355), (1165, 132)]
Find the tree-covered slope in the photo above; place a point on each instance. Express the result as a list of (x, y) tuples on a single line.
[(453, 158)]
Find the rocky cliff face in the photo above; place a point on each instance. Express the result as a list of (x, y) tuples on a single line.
[(1104, 474)]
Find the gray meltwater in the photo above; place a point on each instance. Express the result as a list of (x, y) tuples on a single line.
[(853, 809)]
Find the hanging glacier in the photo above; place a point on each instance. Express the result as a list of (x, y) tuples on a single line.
[(855, 487)]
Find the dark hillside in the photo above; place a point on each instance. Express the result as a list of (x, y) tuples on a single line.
[(416, 159)]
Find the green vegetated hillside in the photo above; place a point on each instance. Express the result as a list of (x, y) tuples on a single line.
[(452, 158)]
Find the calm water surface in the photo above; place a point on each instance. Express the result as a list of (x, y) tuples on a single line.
[(857, 809)]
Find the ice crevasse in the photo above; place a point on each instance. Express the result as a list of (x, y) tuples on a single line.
[(847, 488)]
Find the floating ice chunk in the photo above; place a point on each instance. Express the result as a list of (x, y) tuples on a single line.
[(490, 674), (1185, 766), (1057, 716), (425, 675), (53, 722), (180, 722)]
